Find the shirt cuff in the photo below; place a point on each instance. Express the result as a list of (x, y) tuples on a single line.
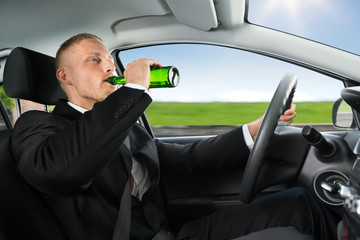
[(137, 86), (247, 137)]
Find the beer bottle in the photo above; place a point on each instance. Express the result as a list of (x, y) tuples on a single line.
[(164, 77)]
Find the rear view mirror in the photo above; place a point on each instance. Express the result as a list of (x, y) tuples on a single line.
[(342, 115)]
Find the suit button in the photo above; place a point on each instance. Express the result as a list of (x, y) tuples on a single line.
[(116, 114)]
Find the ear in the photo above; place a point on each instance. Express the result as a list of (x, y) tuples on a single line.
[(63, 76)]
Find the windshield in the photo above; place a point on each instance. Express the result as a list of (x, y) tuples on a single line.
[(332, 22), (227, 86)]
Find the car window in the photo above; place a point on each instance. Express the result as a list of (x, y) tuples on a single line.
[(11, 109), (225, 86), (332, 22), (8, 105)]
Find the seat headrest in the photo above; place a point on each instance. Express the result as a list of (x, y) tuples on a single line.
[(31, 75)]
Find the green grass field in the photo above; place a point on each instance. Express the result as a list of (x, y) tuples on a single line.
[(223, 113)]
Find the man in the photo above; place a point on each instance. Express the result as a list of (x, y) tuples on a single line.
[(77, 160)]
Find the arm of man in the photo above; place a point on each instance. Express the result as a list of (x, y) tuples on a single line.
[(287, 118), (223, 150), (58, 156), (212, 153)]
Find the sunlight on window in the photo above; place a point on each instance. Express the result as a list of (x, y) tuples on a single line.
[(333, 22)]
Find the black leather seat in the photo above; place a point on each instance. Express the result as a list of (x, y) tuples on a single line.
[(27, 75), (31, 75), (22, 214)]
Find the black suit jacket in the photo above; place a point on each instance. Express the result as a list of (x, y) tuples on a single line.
[(79, 164)]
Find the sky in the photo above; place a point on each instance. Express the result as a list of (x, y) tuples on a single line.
[(334, 22), (209, 73)]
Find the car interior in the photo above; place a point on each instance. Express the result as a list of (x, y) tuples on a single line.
[(284, 156), (22, 207)]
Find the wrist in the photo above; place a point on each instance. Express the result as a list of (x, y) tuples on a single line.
[(254, 127)]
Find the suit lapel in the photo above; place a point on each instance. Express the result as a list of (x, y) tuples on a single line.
[(63, 109), (144, 151), (126, 156)]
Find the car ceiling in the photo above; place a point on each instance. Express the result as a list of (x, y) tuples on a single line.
[(43, 25)]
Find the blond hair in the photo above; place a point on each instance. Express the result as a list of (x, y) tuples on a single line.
[(71, 41)]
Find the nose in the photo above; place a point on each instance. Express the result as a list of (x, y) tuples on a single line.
[(109, 66)]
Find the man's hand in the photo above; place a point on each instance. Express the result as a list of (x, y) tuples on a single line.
[(287, 118), (138, 71), (289, 115)]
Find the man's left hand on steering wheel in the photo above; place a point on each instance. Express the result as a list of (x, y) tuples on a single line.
[(286, 118)]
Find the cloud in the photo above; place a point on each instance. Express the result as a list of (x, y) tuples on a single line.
[(303, 97), (245, 96)]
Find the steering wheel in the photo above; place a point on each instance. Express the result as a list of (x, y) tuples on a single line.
[(282, 98)]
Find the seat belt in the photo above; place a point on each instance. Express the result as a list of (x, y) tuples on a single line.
[(122, 226)]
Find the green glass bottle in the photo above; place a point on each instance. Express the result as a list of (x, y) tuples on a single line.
[(164, 77)]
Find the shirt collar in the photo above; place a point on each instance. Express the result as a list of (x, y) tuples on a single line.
[(76, 107)]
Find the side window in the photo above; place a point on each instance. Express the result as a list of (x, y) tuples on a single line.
[(10, 110), (8, 105), (223, 86)]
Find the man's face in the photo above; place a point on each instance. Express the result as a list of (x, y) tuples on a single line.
[(88, 64)]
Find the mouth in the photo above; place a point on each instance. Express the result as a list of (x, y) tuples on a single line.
[(108, 83), (107, 80)]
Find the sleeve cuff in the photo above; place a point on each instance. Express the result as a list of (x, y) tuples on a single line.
[(137, 86), (247, 137)]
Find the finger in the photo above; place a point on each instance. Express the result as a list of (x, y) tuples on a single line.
[(288, 117), (291, 110), (155, 64)]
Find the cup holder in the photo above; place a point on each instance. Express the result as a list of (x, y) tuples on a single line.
[(333, 199)]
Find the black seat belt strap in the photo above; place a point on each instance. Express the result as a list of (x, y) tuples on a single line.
[(122, 226)]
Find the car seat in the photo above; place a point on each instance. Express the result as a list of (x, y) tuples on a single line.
[(23, 215)]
